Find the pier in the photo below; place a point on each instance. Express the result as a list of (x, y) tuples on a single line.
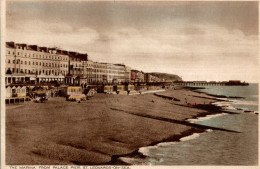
[(211, 83)]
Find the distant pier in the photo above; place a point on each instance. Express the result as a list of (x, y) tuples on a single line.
[(212, 83)]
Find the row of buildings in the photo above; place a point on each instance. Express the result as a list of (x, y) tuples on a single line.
[(34, 64)]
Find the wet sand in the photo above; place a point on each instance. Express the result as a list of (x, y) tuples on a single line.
[(101, 129)]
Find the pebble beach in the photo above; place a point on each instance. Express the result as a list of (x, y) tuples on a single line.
[(102, 129)]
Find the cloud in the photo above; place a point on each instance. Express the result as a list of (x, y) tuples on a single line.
[(195, 51), (51, 34)]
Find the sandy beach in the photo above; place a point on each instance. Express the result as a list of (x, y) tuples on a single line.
[(101, 129)]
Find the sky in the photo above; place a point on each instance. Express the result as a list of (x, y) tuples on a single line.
[(213, 41)]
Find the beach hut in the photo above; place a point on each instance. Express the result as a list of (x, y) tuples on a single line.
[(108, 89), (21, 91), (8, 92), (16, 94), (18, 88), (73, 93), (119, 88), (13, 91), (130, 87), (73, 90)]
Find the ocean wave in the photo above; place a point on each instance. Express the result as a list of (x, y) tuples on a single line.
[(132, 161), (240, 102), (190, 137), (225, 105), (145, 150), (166, 144), (209, 130), (205, 118), (231, 105), (224, 99)]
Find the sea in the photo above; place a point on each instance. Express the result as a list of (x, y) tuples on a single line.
[(214, 147)]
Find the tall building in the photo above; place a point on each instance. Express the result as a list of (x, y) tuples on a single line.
[(118, 73), (34, 64), (137, 76), (127, 74), (76, 68), (99, 73), (88, 71), (151, 78)]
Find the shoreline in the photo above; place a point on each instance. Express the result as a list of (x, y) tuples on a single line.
[(174, 138), (115, 160), (133, 113)]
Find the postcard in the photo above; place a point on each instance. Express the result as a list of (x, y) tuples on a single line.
[(129, 84)]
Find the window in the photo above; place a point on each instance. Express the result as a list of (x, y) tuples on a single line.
[(40, 63), (29, 63), (25, 62), (36, 63), (43, 64), (25, 70), (33, 63), (8, 60), (17, 53), (21, 62), (17, 62)]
